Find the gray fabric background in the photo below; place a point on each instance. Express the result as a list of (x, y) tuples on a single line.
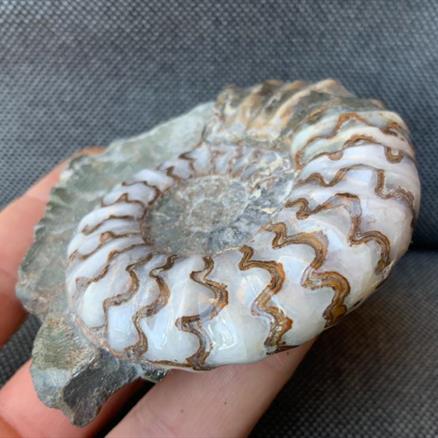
[(76, 73)]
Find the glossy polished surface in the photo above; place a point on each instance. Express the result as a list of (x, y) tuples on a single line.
[(328, 193)]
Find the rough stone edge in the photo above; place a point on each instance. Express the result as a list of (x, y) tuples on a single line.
[(65, 364)]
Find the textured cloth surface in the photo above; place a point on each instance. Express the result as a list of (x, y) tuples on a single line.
[(75, 73)]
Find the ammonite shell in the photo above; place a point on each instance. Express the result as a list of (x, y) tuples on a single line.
[(289, 213)]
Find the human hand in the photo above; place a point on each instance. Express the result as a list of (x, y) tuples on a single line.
[(226, 401)]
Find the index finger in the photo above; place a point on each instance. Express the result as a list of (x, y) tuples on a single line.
[(17, 222), (16, 234)]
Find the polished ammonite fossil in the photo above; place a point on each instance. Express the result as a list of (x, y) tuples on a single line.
[(280, 209)]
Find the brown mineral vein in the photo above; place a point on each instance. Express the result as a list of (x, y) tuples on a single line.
[(398, 193), (311, 277), (280, 323), (356, 236), (104, 238), (88, 230), (152, 309), (392, 155), (123, 297), (130, 183), (186, 156), (170, 172), (392, 128), (123, 199), (83, 282), (194, 323), (146, 184), (335, 102)]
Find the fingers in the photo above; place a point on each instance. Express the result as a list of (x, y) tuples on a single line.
[(16, 234), (227, 401), (223, 402), (17, 221), (23, 414), (12, 313)]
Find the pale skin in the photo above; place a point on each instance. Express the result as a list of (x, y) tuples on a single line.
[(227, 401)]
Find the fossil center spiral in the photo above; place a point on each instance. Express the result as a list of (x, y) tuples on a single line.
[(212, 213), (289, 209)]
